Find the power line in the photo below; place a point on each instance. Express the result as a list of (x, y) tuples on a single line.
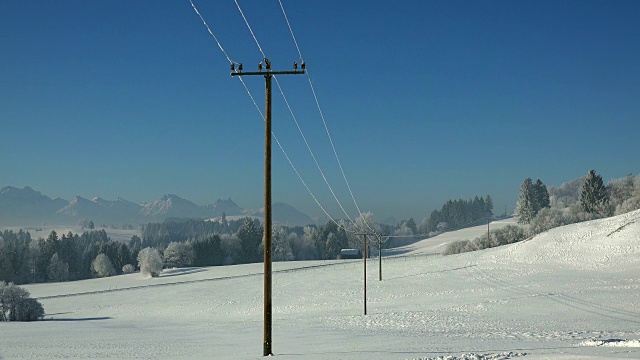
[(211, 32), (248, 26), (313, 155), (299, 129), (262, 115), (322, 116)]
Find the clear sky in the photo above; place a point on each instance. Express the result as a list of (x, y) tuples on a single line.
[(425, 101)]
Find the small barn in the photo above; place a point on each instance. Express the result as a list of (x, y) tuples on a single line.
[(350, 254)]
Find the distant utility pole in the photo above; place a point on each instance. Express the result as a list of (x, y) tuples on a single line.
[(488, 232), (268, 74), (379, 257)]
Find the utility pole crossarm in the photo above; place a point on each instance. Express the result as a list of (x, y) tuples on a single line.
[(267, 73)]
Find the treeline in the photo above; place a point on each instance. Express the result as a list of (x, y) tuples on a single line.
[(456, 214), (25, 260), (186, 242), (241, 241)]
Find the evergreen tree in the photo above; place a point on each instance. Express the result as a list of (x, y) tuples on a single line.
[(593, 196), (488, 206), (540, 197), (58, 270), (250, 236), (332, 246), (208, 251), (411, 224), (525, 205)]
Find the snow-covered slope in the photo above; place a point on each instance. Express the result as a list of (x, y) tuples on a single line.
[(572, 293), (436, 244), (598, 244)]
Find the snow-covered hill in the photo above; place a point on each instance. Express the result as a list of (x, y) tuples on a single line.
[(571, 293)]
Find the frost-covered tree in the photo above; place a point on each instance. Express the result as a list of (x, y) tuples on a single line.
[(102, 266), (16, 305), (623, 194), (150, 262), (58, 270), (178, 254), (533, 197), (280, 245), (311, 240), (525, 206), (128, 269), (250, 236), (593, 196), (333, 246)]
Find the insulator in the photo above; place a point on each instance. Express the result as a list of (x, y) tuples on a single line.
[(295, 65), (240, 67), (303, 65), (260, 66), (233, 68)]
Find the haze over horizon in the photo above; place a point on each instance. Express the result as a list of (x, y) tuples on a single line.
[(424, 101)]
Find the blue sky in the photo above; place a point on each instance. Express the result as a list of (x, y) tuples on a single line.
[(425, 101)]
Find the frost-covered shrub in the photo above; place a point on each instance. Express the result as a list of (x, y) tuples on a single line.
[(16, 305), (150, 262), (178, 254), (103, 266), (455, 247), (128, 269), (547, 219), (506, 235), (628, 205), (509, 234)]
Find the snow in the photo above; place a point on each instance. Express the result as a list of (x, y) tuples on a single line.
[(571, 293)]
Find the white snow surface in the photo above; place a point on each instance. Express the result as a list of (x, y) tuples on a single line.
[(564, 294)]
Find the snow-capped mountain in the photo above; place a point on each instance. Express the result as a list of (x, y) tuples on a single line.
[(26, 204), (171, 205), (29, 207)]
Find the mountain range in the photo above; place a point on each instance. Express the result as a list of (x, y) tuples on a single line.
[(26, 206)]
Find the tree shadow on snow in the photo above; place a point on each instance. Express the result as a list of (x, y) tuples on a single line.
[(79, 319), (180, 271)]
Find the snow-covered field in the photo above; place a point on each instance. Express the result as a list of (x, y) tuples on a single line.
[(571, 293)]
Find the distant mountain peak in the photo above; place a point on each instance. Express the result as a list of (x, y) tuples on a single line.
[(29, 207)]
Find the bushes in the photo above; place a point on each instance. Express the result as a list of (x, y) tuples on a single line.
[(178, 254), (507, 235), (128, 269), (16, 305)]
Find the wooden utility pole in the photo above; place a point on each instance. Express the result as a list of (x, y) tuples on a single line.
[(365, 274), (365, 270), (268, 74)]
